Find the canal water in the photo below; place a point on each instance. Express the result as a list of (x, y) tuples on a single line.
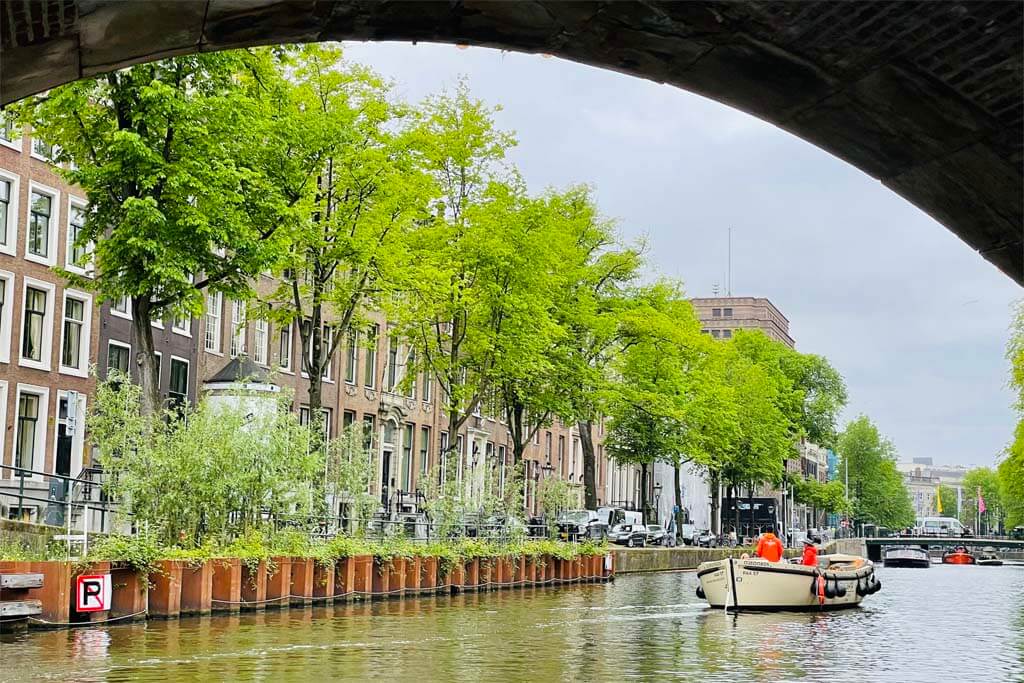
[(938, 624)]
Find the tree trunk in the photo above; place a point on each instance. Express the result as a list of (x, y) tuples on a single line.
[(643, 493), (715, 483), (586, 429), (679, 505), (750, 499), (145, 354)]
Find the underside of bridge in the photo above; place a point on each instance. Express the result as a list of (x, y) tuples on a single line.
[(928, 97)]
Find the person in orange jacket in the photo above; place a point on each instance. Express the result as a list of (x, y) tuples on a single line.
[(810, 557), (769, 547)]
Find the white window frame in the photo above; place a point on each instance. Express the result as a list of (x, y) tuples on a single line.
[(261, 351), (3, 416), (170, 373), (44, 413), (77, 439), (239, 327), (36, 155), (47, 342), (218, 328), (291, 351), (76, 203), (16, 143), (123, 345), (86, 336), (183, 331), (51, 238), (7, 318), (127, 315), (13, 223)]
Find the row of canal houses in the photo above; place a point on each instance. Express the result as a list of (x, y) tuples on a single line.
[(55, 340)]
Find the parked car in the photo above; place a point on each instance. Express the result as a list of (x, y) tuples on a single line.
[(629, 535), (656, 535), (706, 539), (689, 533), (574, 525)]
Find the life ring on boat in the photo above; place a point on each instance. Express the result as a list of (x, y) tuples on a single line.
[(822, 590)]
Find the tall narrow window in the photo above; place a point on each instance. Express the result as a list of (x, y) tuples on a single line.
[(74, 321), (443, 455), (178, 388), (392, 375), (32, 332), (370, 371), (41, 148), (261, 334), (4, 330), (121, 307), (117, 356), (427, 385), (547, 447), (409, 433), (5, 208), (237, 328), (9, 131), (326, 342), (214, 305), (424, 450), (284, 347), (76, 223), (28, 431), (351, 356), (39, 225), (368, 433), (410, 363)]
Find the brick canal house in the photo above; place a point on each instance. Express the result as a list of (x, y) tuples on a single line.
[(49, 333), (52, 335)]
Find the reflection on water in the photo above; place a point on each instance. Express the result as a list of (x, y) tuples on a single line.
[(943, 623)]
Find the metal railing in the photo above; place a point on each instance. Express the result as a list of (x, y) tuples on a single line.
[(61, 498)]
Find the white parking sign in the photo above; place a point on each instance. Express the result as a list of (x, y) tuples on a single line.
[(92, 593)]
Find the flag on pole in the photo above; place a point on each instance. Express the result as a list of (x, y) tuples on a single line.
[(938, 500), (981, 502)]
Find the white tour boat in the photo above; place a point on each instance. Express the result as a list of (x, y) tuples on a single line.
[(756, 584)]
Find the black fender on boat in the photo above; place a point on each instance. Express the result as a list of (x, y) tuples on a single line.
[(700, 592)]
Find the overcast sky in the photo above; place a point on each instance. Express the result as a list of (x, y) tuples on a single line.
[(912, 317)]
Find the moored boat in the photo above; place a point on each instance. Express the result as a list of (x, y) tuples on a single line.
[(906, 556), (988, 557), (756, 584), (958, 555)]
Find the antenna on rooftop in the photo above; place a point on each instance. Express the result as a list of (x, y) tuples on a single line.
[(728, 278), (715, 289)]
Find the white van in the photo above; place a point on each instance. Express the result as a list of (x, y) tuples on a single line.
[(941, 526)]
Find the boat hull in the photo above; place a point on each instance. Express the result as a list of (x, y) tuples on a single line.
[(758, 585), (989, 563), (907, 558), (958, 558)]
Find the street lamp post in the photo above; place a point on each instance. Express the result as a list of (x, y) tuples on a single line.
[(657, 500)]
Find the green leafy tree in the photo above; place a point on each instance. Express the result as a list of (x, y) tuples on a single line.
[(350, 173), (949, 501), (876, 488), (827, 498), (983, 480), (469, 307), (171, 157), (223, 469), (1011, 469)]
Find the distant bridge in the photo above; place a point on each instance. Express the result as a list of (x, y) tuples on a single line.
[(875, 545)]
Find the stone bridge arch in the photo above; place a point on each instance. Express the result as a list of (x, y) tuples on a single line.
[(927, 97)]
